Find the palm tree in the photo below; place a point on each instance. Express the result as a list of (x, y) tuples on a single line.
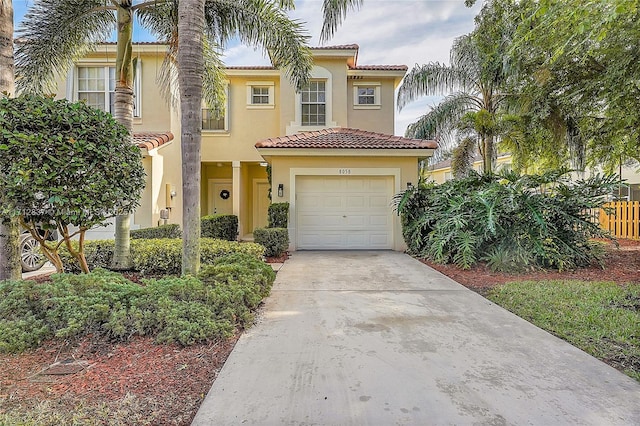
[(472, 87), (55, 33), (9, 230)]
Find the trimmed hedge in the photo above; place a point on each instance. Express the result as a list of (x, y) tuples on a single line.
[(184, 310), (274, 240), (157, 256), (278, 216), (163, 231), (222, 226)]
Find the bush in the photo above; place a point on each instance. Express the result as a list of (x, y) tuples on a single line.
[(99, 254), (278, 216), (513, 222), (162, 231), (158, 256), (221, 226), (274, 240), (164, 256), (183, 310)]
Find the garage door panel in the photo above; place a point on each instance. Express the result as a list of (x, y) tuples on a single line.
[(344, 212)]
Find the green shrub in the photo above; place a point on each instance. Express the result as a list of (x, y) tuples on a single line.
[(274, 240), (221, 226), (278, 216), (164, 256), (511, 221), (99, 254), (163, 231), (183, 310), (161, 256)]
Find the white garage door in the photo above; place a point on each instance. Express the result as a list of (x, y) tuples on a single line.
[(338, 212)]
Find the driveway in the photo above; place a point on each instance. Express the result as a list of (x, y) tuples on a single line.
[(378, 338)]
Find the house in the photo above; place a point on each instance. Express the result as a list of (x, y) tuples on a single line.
[(331, 147)]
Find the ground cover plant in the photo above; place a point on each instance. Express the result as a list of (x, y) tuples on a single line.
[(512, 222), (602, 318)]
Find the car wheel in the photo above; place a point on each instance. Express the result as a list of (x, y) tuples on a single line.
[(31, 258)]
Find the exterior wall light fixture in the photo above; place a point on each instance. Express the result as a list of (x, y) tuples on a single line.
[(280, 190)]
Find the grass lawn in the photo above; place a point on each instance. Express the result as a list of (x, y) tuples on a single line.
[(601, 318)]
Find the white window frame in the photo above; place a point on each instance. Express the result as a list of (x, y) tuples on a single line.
[(224, 131), (376, 95), (317, 73), (323, 102), (270, 85), (73, 85)]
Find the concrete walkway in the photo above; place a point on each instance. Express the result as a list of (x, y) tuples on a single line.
[(377, 338)]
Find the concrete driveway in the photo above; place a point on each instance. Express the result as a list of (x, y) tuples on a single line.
[(377, 338)]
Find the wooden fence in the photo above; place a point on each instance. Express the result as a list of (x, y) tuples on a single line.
[(623, 220)]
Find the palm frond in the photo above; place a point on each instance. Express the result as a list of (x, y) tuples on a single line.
[(464, 56), (333, 13), (55, 33), (432, 79), (441, 122), (263, 24)]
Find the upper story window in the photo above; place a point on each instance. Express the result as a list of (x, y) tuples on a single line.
[(314, 105), (260, 95), (213, 119), (96, 85), (366, 96)]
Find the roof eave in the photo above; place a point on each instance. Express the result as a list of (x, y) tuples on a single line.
[(420, 153)]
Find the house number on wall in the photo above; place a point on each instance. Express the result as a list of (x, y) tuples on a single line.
[(345, 171)]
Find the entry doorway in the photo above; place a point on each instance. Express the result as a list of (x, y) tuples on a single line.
[(260, 203), (220, 196)]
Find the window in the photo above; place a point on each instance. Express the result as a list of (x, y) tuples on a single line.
[(366, 96), (259, 95), (96, 85), (314, 104), (213, 119)]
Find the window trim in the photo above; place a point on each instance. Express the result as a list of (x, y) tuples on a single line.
[(317, 73), (302, 104), (225, 131), (376, 95), (268, 84), (73, 85)]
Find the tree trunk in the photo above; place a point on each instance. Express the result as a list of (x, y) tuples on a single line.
[(190, 77), (487, 153), (123, 114), (9, 229)]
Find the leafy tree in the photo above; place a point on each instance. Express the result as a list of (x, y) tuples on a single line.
[(9, 228), (65, 164)]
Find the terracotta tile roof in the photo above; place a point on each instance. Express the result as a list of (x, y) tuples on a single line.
[(345, 138), (338, 47), (380, 68), (151, 140)]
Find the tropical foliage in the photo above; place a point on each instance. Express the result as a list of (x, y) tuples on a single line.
[(65, 164), (511, 221)]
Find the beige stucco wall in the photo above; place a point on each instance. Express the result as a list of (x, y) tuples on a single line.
[(402, 169), (379, 119)]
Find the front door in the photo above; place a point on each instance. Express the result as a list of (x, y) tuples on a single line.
[(220, 196), (260, 203)]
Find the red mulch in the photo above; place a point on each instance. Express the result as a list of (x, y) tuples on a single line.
[(175, 378), (279, 259), (622, 265)]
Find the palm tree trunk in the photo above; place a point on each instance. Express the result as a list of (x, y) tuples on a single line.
[(9, 228), (190, 77), (123, 114), (487, 153)]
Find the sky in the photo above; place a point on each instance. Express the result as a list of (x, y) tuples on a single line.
[(399, 32)]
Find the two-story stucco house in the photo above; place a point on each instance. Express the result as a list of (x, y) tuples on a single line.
[(331, 147)]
